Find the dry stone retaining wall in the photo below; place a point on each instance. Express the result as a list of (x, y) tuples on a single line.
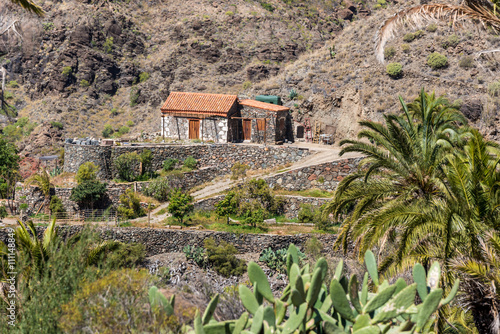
[(188, 180), (159, 241), (292, 203), (222, 156), (323, 176)]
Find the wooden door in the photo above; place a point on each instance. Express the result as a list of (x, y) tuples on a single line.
[(247, 129), (194, 129)]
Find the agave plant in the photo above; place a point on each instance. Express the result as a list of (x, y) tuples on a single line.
[(483, 12), (29, 6), (309, 305)]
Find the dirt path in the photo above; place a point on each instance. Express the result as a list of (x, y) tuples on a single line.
[(322, 154)]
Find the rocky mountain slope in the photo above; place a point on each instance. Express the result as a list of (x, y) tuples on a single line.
[(88, 63)]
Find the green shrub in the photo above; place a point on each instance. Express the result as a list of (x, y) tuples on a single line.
[(130, 123), (169, 164), (247, 84), (432, 27), (466, 62), (84, 83), (108, 45), (313, 247), (494, 89), (380, 4), (130, 205), (124, 255), (405, 48), (87, 193), (409, 37), (227, 206), (222, 258), (127, 166), (437, 60), (267, 6), (181, 204), (452, 41), (56, 206), (3, 212), (134, 96), (229, 13), (117, 303), (13, 84), (108, 131), (292, 94), (309, 214), (389, 52), (143, 76), (57, 125), (67, 71), (123, 130), (419, 34), (394, 70), (190, 162), (276, 260), (159, 189), (239, 171)]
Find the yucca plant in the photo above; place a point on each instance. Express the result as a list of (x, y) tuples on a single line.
[(483, 12)]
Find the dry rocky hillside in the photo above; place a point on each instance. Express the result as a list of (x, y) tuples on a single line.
[(92, 62)]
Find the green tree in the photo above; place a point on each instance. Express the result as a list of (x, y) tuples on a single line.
[(128, 166), (87, 172), (226, 207), (146, 162), (88, 193), (9, 170), (107, 131), (57, 207), (130, 205), (180, 205)]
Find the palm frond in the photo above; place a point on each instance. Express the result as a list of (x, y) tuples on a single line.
[(29, 6), (418, 16)]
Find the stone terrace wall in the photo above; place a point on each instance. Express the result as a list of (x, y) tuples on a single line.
[(223, 156), (292, 203), (34, 196), (159, 241), (324, 176)]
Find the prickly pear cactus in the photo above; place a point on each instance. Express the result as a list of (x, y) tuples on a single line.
[(308, 305)]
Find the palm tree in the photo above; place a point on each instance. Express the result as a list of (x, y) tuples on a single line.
[(481, 284), (482, 11), (42, 181), (29, 6), (400, 174)]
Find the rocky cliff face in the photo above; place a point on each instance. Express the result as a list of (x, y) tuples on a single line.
[(92, 62)]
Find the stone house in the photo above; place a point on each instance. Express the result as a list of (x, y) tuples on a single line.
[(223, 119)]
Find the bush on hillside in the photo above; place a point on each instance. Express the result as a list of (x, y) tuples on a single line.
[(394, 70), (437, 60), (190, 162)]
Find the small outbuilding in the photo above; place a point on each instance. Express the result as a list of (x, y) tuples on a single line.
[(224, 118)]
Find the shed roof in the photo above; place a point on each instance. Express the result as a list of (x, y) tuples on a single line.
[(263, 105), (200, 104)]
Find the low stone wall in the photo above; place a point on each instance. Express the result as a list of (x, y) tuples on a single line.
[(34, 196), (159, 241), (292, 203), (323, 176), (223, 156)]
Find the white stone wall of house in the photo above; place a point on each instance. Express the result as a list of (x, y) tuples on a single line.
[(214, 129), (210, 129)]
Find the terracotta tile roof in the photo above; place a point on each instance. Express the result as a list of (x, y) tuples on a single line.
[(263, 105), (198, 103)]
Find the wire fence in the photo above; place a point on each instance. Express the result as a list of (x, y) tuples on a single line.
[(94, 216)]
